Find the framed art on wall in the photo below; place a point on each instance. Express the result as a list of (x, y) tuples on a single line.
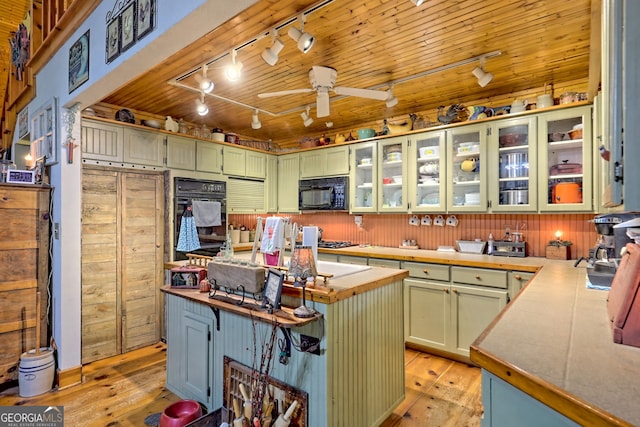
[(79, 62), (146, 17), (113, 39), (273, 289), (23, 123), (128, 27)]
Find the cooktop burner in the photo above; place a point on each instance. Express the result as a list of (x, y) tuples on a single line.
[(334, 244)]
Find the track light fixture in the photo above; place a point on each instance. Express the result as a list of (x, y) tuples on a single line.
[(204, 82), (201, 107), (233, 70), (304, 40), (255, 121), (306, 118), (270, 54), (417, 2), (391, 100), (483, 77)]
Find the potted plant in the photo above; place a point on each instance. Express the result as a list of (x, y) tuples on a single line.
[(558, 249)]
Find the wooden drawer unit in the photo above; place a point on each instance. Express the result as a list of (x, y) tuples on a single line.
[(479, 277), (389, 263), (428, 271)]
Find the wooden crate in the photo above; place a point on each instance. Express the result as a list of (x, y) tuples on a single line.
[(557, 252)]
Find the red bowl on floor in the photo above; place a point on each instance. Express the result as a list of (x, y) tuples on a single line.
[(180, 413)]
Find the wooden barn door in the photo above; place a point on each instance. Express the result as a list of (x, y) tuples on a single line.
[(122, 232)]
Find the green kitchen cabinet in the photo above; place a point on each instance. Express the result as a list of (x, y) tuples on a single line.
[(350, 259), (516, 281), (392, 175), (246, 196), (387, 263), (208, 157), (181, 153), (271, 183), (102, 141), (244, 163), (565, 160), (323, 162), (363, 191), (467, 168), (288, 176), (143, 147), (427, 172), (427, 313)]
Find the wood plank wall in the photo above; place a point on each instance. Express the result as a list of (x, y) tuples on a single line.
[(390, 229)]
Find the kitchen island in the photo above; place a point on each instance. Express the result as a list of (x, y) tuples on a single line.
[(359, 326)]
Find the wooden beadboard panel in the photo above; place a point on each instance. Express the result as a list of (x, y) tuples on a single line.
[(390, 229)]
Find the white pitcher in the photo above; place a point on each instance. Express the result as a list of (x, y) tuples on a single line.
[(519, 105)]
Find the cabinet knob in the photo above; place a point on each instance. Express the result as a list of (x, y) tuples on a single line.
[(478, 277), (425, 271), (446, 290), (455, 291), (517, 277)]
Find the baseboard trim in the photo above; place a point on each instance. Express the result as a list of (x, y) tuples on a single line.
[(69, 377)]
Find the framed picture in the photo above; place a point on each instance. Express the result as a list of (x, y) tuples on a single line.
[(113, 39), (79, 62), (38, 171), (43, 136), (20, 176), (128, 27), (273, 289), (23, 123), (146, 17)]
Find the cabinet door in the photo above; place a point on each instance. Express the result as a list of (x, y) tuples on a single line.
[(208, 157), (427, 173), (427, 313), (392, 175), (467, 169), (181, 153), (255, 164), (336, 160), (233, 161), (565, 160), (196, 335), (245, 196), (472, 309), (312, 163), (272, 183), (363, 179), (288, 176), (102, 141), (143, 147), (512, 165), (517, 280)]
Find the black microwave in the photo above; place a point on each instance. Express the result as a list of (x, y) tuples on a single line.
[(324, 194)]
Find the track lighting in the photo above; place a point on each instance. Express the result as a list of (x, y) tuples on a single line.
[(483, 77), (391, 100), (270, 54), (304, 40), (306, 118), (201, 107), (417, 2), (204, 82), (233, 70), (255, 121)]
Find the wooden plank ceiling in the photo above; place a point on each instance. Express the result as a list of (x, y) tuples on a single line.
[(12, 12), (371, 43)]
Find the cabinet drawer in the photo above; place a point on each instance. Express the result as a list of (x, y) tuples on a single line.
[(348, 259), (389, 263), (428, 271), (479, 276)]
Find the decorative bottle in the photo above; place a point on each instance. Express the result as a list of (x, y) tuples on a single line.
[(490, 245)]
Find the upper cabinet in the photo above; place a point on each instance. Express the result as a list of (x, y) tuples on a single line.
[(244, 163), (364, 177), (467, 168), (143, 147), (102, 141), (322, 162), (392, 175), (288, 176), (565, 160), (427, 172), (181, 153), (512, 165), (208, 157)]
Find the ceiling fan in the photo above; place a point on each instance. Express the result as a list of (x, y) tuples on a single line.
[(323, 80)]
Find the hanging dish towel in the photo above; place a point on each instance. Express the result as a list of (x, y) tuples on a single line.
[(188, 237), (272, 236), (206, 214)]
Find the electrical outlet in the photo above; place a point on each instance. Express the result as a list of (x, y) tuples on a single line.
[(310, 344), (56, 230)]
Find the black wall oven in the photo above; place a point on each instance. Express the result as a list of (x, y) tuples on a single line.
[(186, 190)]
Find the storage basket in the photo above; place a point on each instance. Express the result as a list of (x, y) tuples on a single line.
[(471, 246)]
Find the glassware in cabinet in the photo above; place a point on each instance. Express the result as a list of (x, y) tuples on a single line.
[(427, 173), (467, 169), (364, 177), (392, 177), (513, 178), (565, 160)]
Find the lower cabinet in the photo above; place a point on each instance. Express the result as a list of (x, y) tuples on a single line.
[(517, 280), (444, 312)]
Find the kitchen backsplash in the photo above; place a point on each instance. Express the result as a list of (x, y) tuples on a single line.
[(390, 229)]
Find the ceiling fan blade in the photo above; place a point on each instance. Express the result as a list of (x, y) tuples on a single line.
[(284, 92), (322, 103), (361, 93)]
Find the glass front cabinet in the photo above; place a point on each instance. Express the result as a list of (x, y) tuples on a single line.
[(467, 169), (512, 173), (392, 175), (364, 177), (426, 172), (564, 160)]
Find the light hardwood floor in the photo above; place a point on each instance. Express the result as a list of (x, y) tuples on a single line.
[(124, 390)]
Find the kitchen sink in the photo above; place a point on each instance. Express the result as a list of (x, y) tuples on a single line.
[(338, 269)]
